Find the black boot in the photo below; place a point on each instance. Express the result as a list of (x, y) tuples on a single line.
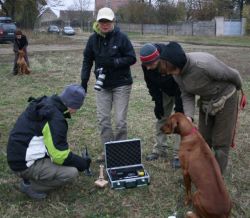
[(221, 155), (15, 70)]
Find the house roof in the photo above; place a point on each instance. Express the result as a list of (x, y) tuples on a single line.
[(72, 14), (56, 10), (61, 12)]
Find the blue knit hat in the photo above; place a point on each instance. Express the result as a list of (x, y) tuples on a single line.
[(73, 96), (149, 54)]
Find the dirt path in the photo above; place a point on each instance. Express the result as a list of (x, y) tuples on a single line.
[(42, 47), (240, 55), (7, 49)]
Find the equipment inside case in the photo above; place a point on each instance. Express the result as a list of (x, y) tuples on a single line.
[(123, 164)]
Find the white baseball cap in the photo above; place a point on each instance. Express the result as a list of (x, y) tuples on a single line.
[(105, 13)]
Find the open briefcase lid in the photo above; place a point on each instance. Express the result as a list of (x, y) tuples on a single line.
[(123, 153)]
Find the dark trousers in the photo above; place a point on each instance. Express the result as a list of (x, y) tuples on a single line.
[(219, 130)]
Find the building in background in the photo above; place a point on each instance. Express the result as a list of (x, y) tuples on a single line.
[(76, 18), (47, 17), (113, 4), (61, 17)]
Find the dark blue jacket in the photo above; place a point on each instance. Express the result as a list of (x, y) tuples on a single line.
[(115, 45), (158, 83), (41, 132), (20, 43)]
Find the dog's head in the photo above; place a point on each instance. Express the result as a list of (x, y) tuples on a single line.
[(170, 126), (177, 123), (21, 53)]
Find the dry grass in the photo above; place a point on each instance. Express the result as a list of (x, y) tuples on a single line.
[(51, 72)]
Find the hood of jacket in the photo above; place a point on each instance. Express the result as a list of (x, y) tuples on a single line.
[(98, 31), (21, 42), (42, 108)]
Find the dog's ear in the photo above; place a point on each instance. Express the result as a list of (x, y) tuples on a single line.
[(174, 124)]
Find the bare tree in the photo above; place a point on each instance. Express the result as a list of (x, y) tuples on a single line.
[(238, 5), (207, 9), (246, 14), (55, 3), (28, 11), (82, 6), (4, 8), (169, 12), (24, 12), (9, 6), (137, 12)]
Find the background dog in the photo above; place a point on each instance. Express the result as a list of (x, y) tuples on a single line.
[(211, 199), (22, 66)]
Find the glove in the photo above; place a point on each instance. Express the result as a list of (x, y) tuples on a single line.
[(79, 162), (106, 62), (84, 85), (86, 157), (159, 111), (87, 161)]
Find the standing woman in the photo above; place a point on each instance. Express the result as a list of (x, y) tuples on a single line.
[(113, 54), (217, 85), (20, 43)]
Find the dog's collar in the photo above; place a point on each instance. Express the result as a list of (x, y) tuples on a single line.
[(193, 130)]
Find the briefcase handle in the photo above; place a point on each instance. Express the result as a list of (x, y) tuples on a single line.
[(131, 184)]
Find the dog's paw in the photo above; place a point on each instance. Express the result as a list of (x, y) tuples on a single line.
[(191, 214), (188, 200)]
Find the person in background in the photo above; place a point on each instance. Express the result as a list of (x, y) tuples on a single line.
[(166, 94), (38, 150), (20, 43), (113, 54), (202, 74)]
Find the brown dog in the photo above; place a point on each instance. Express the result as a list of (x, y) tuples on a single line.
[(22, 66), (211, 199)]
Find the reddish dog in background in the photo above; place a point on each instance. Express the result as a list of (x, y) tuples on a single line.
[(22, 66), (211, 199)]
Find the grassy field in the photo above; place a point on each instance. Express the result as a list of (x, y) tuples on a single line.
[(51, 71), (243, 41)]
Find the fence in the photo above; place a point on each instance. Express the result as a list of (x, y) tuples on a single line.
[(216, 27), (232, 27)]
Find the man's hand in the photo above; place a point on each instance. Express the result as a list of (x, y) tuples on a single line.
[(159, 111), (106, 61), (87, 161), (84, 84), (190, 119), (243, 100)]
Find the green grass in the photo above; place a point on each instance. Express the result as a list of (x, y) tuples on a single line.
[(51, 71), (212, 40)]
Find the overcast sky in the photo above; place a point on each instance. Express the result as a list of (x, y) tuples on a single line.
[(71, 2)]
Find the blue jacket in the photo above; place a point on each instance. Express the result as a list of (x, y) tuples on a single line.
[(116, 45), (20, 43), (40, 132), (158, 83)]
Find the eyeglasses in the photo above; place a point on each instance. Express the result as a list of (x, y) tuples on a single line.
[(105, 21)]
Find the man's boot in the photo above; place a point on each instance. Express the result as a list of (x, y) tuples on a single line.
[(27, 189), (15, 70), (221, 155)]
